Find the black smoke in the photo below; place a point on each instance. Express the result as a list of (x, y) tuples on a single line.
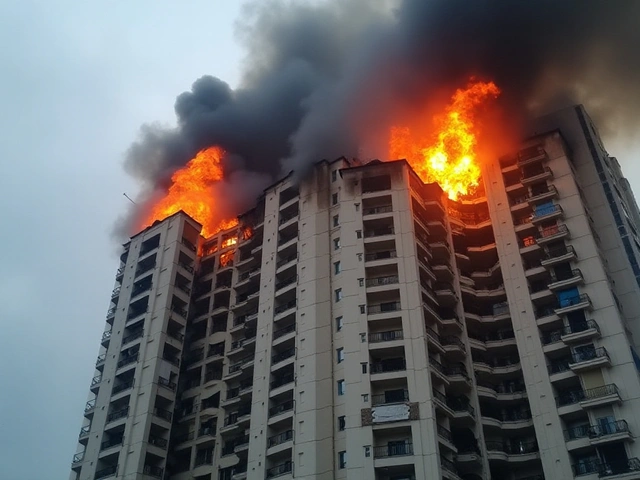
[(323, 78)]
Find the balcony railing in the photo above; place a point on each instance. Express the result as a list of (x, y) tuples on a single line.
[(153, 471), (166, 383), (581, 431), (600, 392), (513, 448), (281, 381), (112, 442), (84, 431), (78, 457), (106, 472), (448, 465), (577, 327), (608, 469), (128, 360), (285, 307), (444, 433), (393, 450), (586, 467), (619, 426), (101, 358), (590, 354), (388, 366), (543, 212), (381, 281), (286, 239), (460, 404), (392, 396), (285, 218), (570, 398), (378, 232), (389, 336), (286, 282), (204, 458), (557, 252), (121, 387), (552, 231), (162, 413), (158, 441), (106, 335), (282, 356), (131, 337), (559, 366), (286, 260), (574, 300), (383, 308), (280, 438), (528, 175), (563, 276), (385, 255), (281, 408), (283, 331), (90, 405), (281, 469), (377, 210)]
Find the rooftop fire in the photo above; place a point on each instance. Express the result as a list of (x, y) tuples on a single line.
[(449, 158), (190, 191)]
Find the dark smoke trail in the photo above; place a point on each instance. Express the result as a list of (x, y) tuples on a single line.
[(322, 78)]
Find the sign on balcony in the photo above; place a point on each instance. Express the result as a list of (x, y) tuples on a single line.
[(390, 413)]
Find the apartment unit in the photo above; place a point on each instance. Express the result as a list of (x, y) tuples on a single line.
[(359, 324)]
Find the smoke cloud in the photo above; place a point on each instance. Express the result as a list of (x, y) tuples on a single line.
[(323, 78)]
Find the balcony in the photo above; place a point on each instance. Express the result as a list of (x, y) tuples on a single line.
[(278, 470), (378, 232), (580, 331), (284, 331), (382, 281), (282, 380), (393, 450), (158, 442), (444, 434), (77, 458), (128, 360), (95, 383), (121, 387), (572, 304), (586, 467), (515, 447), (283, 308), (382, 255), (280, 438), (536, 175), (282, 356), (540, 194), (100, 360), (599, 396), (377, 210), (550, 234), (566, 280), (389, 366), (153, 471), (587, 359), (133, 336), (610, 469), (84, 432), (381, 308), (286, 282), (89, 407), (106, 337), (106, 472), (112, 442), (280, 408), (162, 413), (546, 213), (389, 336), (557, 255), (166, 383), (609, 432), (390, 397)]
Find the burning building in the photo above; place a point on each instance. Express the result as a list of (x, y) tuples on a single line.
[(365, 322)]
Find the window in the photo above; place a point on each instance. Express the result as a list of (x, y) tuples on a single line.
[(357, 207), (365, 398), (336, 267), (336, 221), (364, 367), (339, 322), (361, 282), (334, 199), (338, 294), (340, 355), (342, 459), (362, 308), (367, 451), (342, 423), (336, 243), (334, 175), (341, 387), (358, 233)]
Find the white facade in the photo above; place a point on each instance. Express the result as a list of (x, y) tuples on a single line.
[(359, 324)]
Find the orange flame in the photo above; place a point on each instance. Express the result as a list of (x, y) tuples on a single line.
[(450, 160), (226, 258), (229, 242), (190, 191)]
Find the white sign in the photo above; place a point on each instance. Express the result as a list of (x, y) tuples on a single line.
[(390, 413)]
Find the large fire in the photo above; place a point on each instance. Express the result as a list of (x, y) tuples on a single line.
[(449, 157), (190, 191)]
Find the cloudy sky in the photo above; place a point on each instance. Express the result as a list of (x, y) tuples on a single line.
[(78, 79)]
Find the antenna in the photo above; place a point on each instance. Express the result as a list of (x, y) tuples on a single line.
[(129, 198)]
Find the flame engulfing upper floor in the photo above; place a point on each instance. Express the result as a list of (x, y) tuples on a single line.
[(447, 156)]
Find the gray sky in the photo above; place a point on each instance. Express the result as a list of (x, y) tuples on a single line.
[(78, 79)]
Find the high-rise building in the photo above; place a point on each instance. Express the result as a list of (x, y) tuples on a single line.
[(361, 325)]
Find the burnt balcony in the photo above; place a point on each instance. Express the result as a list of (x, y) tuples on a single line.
[(280, 438), (393, 450), (559, 366), (533, 175), (388, 336), (381, 281), (282, 469), (531, 155)]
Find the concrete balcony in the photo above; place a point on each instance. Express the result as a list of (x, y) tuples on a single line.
[(393, 454), (388, 339), (516, 452), (554, 256), (551, 234), (589, 359), (566, 280), (572, 304), (580, 331), (543, 194), (600, 396), (536, 175), (547, 213)]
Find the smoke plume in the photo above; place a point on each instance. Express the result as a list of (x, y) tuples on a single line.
[(325, 77)]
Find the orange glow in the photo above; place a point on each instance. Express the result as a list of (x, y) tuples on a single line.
[(449, 158), (247, 233), (226, 258), (229, 242), (190, 191)]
